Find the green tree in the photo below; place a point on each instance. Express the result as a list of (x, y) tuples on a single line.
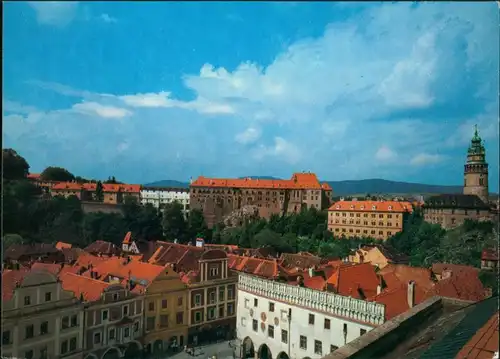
[(57, 174), (15, 167), (10, 239), (196, 225), (110, 227), (174, 223), (99, 193)]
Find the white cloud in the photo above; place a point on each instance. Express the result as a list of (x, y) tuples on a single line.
[(282, 150), (108, 19), (95, 108), (385, 154), (56, 13), (423, 159), (250, 135)]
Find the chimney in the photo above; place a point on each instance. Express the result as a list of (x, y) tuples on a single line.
[(311, 271), (411, 294), (379, 289)]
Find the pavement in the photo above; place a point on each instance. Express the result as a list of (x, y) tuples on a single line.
[(220, 350)]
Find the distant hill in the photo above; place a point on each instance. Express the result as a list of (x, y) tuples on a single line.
[(344, 188)]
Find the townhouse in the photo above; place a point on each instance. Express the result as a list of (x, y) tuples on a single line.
[(40, 319), (159, 197)]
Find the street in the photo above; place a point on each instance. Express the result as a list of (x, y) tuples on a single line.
[(221, 350)]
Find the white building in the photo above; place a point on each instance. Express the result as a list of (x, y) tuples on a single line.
[(282, 321), (160, 196)]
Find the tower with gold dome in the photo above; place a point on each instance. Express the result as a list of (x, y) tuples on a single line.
[(476, 169)]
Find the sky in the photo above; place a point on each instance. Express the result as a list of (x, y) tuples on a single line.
[(146, 91)]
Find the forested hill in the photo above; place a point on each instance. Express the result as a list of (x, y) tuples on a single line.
[(343, 188)]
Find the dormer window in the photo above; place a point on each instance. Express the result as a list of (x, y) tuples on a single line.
[(337, 207), (362, 207), (352, 206), (390, 208), (374, 207)]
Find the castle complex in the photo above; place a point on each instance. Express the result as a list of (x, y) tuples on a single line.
[(218, 198), (451, 210)]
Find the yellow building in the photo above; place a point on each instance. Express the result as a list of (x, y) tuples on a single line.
[(378, 255), (375, 219), (166, 313), (39, 318)]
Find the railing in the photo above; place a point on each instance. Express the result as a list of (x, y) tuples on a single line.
[(335, 304)]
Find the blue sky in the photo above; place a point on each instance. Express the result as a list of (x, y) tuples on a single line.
[(166, 90)]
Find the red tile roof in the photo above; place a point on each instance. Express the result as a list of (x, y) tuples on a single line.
[(49, 267), (439, 268), (484, 343), (90, 289), (396, 299), (298, 181), (103, 247), (10, 279), (34, 176), (72, 186), (489, 255), (128, 238), (61, 245), (355, 280), (368, 206), (405, 273), (85, 259)]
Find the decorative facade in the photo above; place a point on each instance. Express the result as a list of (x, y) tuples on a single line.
[(278, 320), (476, 169), (161, 196), (39, 318), (218, 198)]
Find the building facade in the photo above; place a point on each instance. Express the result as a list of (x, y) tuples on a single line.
[(39, 318), (451, 210), (161, 196), (278, 320), (166, 313), (375, 219), (111, 193), (218, 198)]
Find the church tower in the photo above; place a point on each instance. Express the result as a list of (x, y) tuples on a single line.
[(476, 169)]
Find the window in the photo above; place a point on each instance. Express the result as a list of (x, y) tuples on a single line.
[(212, 297), (151, 306), (136, 327), (284, 336), (28, 354), (126, 332), (115, 297), (230, 293), (255, 325), (179, 301), (164, 320), (179, 318), (64, 347), (48, 296), (111, 334), (214, 271), (197, 317), (327, 323), (221, 311), (72, 344), (150, 323), (222, 294), (303, 342), (6, 337), (362, 331), (311, 319), (74, 320), (105, 314), (318, 347), (27, 300), (29, 331), (65, 323), (247, 303), (230, 309), (197, 299), (211, 313), (44, 328), (125, 310), (270, 331), (43, 353), (164, 303), (333, 348), (97, 338), (345, 329), (255, 302)]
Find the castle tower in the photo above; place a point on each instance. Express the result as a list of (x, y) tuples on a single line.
[(476, 169)]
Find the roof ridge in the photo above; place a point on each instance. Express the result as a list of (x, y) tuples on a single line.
[(87, 278)]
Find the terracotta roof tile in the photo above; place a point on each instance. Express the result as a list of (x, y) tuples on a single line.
[(33, 176), (484, 343), (463, 285), (439, 268), (302, 261), (61, 245), (396, 299), (86, 259), (49, 267), (10, 279), (103, 247), (90, 289), (76, 269), (405, 273), (298, 180), (65, 186), (368, 206), (489, 255), (355, 280)]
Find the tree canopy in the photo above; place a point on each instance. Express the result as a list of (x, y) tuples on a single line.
[(57, 174), (15, 167)]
